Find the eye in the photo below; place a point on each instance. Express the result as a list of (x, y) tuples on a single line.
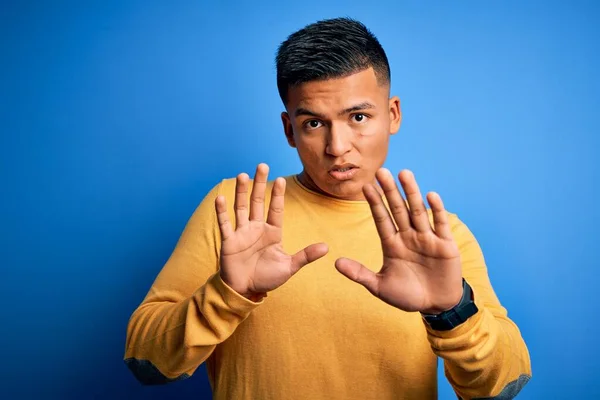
[(312, 124), (360, 118)]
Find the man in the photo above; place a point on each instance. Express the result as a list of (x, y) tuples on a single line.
[(232, 293)]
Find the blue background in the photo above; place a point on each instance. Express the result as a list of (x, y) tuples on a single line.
[(117, 117)]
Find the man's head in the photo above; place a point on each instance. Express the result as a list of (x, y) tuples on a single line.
[(333, 77)]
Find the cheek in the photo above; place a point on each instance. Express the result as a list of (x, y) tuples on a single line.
[(373, 144), (309, 152)]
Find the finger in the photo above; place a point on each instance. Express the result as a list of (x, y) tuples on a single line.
[(223, 218), (417, 212), (441, 225), (397, 204), (381, 216), (275, 216), (358, 273), (307, 255), (257, 198), (241, 200)]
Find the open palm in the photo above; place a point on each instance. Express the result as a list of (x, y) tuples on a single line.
[(421, 264), (252, 259)]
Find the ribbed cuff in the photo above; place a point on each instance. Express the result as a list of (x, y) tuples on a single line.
[(231, 298)]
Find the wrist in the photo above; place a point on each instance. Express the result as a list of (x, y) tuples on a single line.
[(252, 296), (255, 297), (449, 305), (455, 316)]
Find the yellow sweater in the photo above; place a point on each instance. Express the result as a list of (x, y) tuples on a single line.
[(320, 335)]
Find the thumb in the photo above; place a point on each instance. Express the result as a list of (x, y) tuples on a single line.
[(357, 272), (307, 255)]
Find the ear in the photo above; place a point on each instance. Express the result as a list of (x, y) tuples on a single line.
[(395, 114), (287, 128)]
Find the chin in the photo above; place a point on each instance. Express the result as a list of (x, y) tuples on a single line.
[(346, 190)]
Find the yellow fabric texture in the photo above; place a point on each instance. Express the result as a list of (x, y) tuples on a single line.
[(320, 335)]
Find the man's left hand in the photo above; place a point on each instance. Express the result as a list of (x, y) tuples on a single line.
[(421, 264)]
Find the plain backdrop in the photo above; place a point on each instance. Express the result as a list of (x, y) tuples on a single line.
[(116, 117)]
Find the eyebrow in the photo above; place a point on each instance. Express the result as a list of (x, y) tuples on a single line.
[(365, 105)]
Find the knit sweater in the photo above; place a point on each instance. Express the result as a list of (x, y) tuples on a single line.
[(320, 335)]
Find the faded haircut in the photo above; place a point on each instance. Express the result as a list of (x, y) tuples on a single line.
[(331, 48)]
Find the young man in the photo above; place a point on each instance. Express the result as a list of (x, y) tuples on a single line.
[(232, 293)]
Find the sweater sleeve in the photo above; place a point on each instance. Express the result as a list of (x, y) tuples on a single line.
[(188, 310), (485, 357)]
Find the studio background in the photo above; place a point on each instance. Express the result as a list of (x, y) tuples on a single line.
[(117, 117)]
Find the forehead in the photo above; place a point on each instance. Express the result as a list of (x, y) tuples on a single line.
[(333, 95)]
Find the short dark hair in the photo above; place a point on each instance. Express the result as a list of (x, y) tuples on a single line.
[(331, 48)]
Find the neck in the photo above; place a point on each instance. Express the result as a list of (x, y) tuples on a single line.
[(308, 183)]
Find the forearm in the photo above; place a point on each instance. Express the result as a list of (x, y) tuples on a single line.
[(484, 357), (167, 341)]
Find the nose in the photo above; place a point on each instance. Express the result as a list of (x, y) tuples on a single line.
[(339, 140)]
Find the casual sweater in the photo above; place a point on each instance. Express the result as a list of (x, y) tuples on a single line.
[(320, 335)]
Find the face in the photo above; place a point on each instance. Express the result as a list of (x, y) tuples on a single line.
[(341, 130)]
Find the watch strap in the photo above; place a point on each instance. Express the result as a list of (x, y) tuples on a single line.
[(457, 315)]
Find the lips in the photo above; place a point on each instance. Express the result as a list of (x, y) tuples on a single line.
[(343, 172), (341, 167)]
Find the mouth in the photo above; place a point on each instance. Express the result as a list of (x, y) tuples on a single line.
[(343, 172)]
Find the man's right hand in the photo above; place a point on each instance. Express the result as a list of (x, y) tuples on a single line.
[(252, 258)]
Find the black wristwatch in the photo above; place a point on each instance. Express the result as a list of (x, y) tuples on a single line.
[(452, 318)]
